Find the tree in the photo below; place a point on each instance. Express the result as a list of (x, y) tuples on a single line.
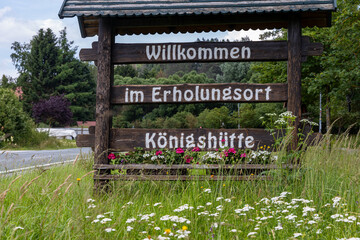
[(13, 120), (48, 67), (54, 111)]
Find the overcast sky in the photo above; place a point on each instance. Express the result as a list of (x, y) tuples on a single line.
[(20, 20)]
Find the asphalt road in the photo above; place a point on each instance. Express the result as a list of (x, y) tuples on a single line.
[(10, 160)]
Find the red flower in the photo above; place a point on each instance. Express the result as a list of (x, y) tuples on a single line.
[(111, 156), (243, 155), (196, 149), (188, 159), (222, 140), (179, 150), (158, 152), (232, 150)]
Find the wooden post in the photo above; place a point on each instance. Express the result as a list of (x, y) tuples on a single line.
[(294, 72), (103, 111)]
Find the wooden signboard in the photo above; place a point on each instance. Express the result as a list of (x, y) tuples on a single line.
[(201, 52), (205, 139), (197, 93)]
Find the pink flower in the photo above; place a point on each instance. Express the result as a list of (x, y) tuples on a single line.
[(111, 156), (196, 149), (188, 159), (243, 155), (222, 140), (232, 150), (179, 150), (158, 152)]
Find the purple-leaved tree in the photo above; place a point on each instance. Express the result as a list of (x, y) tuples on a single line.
[(55, 110)]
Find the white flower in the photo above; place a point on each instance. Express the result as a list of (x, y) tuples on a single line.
[(130, 220), (251, 233), (311, 222), (92, 206), (318, 231), (219, 208), (109, 230), (87, 216), (278, 227), (336, 201), (95, 221), (157, 228), (233, 230), (18, 227), (297, 235), (100, 216), (109, 213), (208, 203), (227, 200), (129, 228), (207, 190), (163, 238), (156, 204), (129, 203), (105, 220), (90, 200), (291, 217), (219, 198)]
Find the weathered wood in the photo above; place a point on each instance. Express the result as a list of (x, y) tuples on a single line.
[(294, 72), (206, 139), (102, 131), (180, 177), (198, 93), (201, 52), (192, 166), (203, 23)]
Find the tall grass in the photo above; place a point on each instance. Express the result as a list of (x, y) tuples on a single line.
[(54, 203)]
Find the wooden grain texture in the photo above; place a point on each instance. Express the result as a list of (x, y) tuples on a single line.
[(192, 166), (294, 73), (128, 139), (102, 131), (199, 93), (201, 52), (180, 177)]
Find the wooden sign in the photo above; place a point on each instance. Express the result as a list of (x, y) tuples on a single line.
[(197, 93), (205, 139), (201, 52)]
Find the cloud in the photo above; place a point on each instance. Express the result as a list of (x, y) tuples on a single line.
[(4, 10), (237, 35)]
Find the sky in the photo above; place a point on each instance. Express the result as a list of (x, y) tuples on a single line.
[(20, 20)]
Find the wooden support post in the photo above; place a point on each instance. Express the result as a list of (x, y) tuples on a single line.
[(294, 73), (103, 111)]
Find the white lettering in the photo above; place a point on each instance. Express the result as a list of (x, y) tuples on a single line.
[(249, 142), (237, 92), (267, 90), (155, 92), (243, 52), (257, 91), (234, 52), (246, 96), (188, 92), (221, 52), (205, 53), (226, 94), (191, 55), (150, 140), (137, 95), (181, 53), (153, 53)]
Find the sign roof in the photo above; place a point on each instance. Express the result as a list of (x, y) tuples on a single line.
[(182, 12)]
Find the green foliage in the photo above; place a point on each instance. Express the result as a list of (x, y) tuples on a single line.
[(234, 72), (48, 67), (14, 122), (216, 118)]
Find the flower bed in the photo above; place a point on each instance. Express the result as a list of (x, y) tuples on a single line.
[(189, 164)]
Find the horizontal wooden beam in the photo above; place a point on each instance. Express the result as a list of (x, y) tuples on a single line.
[(180, 177), (201, 52), (207, 139), (199, 93), (192, 166)]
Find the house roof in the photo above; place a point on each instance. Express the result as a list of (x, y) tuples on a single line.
[(165, 16)]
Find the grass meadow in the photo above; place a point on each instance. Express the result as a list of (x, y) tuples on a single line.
[(318, 201)]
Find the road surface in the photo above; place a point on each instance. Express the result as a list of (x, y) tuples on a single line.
[(10, 160)]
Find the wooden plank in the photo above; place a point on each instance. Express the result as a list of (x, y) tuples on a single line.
[(294, 73), (192, 166), (198, 93), (180, 177), (201, 52), (103, 117), (207, 139)]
